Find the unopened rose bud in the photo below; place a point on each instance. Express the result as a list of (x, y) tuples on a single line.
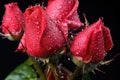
[(92, 44), (13, 22)]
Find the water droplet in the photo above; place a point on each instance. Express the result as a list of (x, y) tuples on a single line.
[(38, 27), (50, 21), (37, 22), (44, 8), (63, 14), (37, 4), (55, 38), (59, 7), (37, 38), (8, 19), (36, 16), (13, 24), (17, 12), (62, 11), (69, 2), (77, 53), (30, 6), (49, 48), (68, 59), (58, 21), (38, 32), (48, 36), (62, 77), (33, 45), (59, 45)]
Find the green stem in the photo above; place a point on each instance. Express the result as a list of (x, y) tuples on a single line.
[(38, 69), (76, 73), (54, 68)]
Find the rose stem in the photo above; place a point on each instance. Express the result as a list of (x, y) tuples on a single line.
[(76, 73), (38, 69)]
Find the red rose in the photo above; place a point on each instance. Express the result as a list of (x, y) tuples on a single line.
[(64, 10), (42, 37), (13, 22), (64, 13), (92, 44)]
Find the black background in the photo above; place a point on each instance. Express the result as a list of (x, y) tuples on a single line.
[(93, 10)]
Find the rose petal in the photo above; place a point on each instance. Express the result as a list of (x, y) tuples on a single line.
[(64, 11), (13, 21)]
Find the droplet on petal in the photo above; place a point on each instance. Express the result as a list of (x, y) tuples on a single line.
[(91, 44)]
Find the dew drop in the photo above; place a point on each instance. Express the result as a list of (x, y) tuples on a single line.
[(59, 7), (17, 12), (38, 32), (69, 2), (37, 38), (58, 21), (8, 19), (13, 24), (59, 45), (55, 38), (44, 7), (38, 27), (48, 36), (36, 16), (68, 59), (30, 6), (77, 53), (62, 77), (37, 4), (37, 22), (49, 48)]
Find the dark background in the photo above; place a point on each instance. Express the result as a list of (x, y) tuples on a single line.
[(93, 10)]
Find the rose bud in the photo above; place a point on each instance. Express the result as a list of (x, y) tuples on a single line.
[(64, 10), (42, 37), (92, 44), (13, 22), (64, 13)]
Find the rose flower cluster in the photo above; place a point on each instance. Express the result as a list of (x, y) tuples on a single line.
[(42, 32)]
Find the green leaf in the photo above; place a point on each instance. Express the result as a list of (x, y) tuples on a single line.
[(23, 72), (28, 62), (86, 77)]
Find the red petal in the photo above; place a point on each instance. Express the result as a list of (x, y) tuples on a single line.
[(74, 21), (91, 44), (21, 46), (61, 10), (64, 28), (43, 37), (52, 39), (107, 39), (35, 26), (58, 9), (80, 43), (96, 45), (13, 21)]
